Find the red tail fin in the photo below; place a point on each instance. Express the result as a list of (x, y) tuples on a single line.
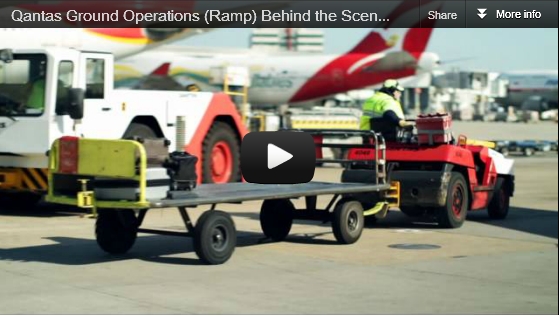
[(162, 70), (416, 40)]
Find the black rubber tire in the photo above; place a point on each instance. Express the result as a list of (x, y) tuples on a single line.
[(139, 130), (215, 237), (276, 218), (498, 208), (446, 217), (220, 131), (116, 230), (348, 221), (528, 152)]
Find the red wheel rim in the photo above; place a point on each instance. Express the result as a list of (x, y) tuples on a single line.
[(457, 202), (222, 162)]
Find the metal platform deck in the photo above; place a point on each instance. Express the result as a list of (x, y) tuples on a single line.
[(206, 194)]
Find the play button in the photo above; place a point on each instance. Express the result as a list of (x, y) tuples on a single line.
[(278, 157)]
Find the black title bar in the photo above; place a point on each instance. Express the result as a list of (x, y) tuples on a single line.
[(250, 14)]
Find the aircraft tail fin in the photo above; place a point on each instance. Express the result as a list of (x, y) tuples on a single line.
[(416, 40), (162, 70)]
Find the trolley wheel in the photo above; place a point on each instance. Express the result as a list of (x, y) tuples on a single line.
[(116, 230), (499, 205), (276, 218), (453, 214), (348, 221), (215, 237)]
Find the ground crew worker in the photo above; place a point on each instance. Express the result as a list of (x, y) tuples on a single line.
[(385, 104), (35, 91), (36, 99)]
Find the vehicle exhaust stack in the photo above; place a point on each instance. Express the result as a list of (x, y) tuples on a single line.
[(180, 136)]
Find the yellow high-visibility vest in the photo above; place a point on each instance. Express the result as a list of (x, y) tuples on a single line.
[(36, 99), (378, 104)]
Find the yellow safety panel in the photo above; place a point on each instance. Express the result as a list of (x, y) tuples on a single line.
[(102, 158), (107, 158), (483, 143), (325, 124)]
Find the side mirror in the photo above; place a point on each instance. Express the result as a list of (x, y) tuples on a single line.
[(6, 55), (76, 103)]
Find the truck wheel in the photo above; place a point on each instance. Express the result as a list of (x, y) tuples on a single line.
[(276, 218), (348, 221), (220, 152), (455, 211), (116, 230), (139, 130), (499, 205), (215, 237)]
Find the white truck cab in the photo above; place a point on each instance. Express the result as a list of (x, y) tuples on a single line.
[(54, 92)]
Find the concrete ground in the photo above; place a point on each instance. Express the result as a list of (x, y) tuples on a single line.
[(50, 262)]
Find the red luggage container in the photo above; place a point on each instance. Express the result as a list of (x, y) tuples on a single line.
[(434, 129)]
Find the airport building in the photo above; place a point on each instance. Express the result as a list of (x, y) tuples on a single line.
[(472, 95), (287, 39)]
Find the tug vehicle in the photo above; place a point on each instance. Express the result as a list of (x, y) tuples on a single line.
[(437, 175), (53, 92)]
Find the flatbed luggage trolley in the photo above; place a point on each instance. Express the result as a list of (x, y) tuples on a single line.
[(76, 163)]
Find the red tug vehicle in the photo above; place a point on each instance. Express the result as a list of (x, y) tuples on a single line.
[(437, 175)]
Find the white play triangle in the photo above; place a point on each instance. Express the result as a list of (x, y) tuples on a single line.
[(277, 156)]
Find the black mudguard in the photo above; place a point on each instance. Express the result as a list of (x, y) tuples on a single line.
[(423, 188)]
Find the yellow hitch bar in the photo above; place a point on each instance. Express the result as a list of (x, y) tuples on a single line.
[(392, 199)]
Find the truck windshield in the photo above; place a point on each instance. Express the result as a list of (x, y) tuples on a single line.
[(22, 85)]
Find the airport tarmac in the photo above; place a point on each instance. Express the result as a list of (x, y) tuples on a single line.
[(544, 130), (50, 262)]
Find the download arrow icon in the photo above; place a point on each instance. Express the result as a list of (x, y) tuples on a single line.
[(481, 13)]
